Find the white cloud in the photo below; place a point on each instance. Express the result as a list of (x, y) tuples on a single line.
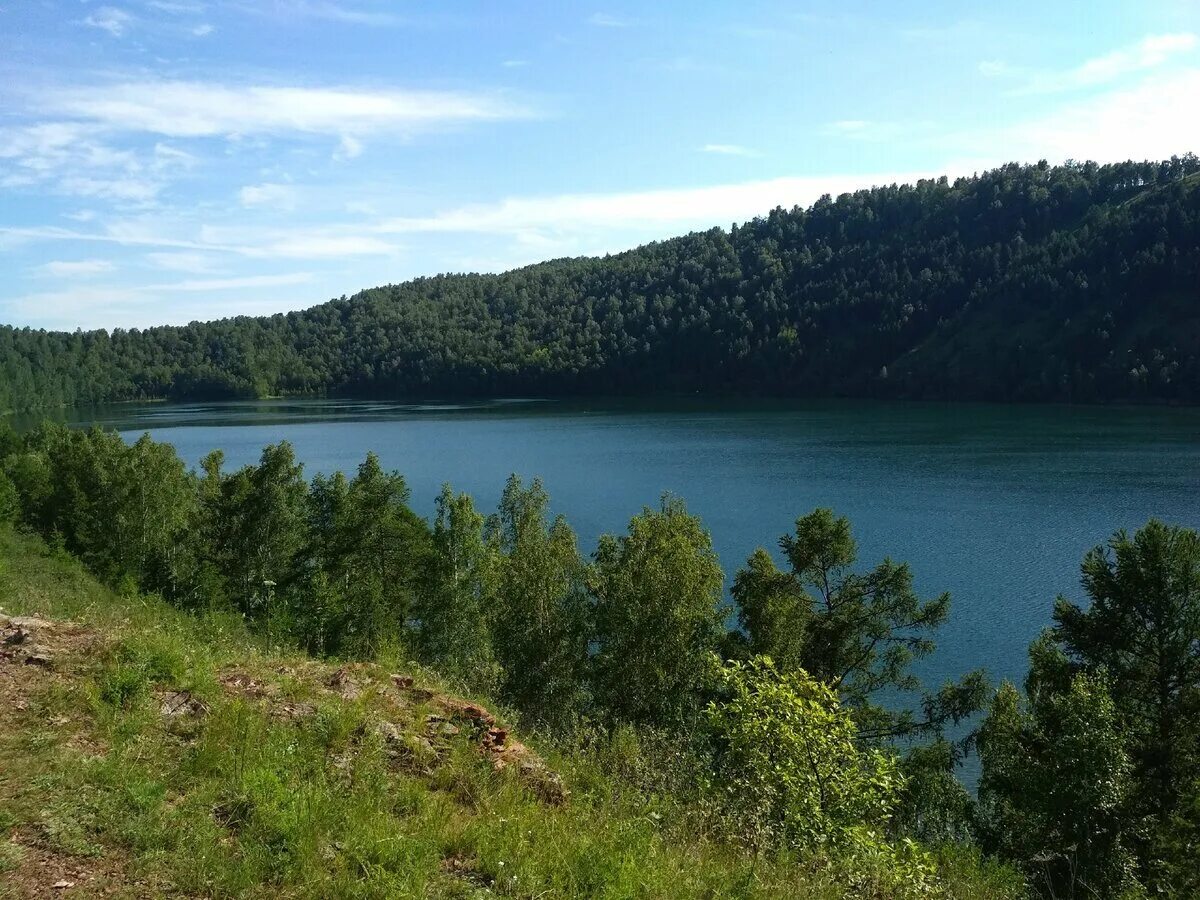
[(729, 150), (1140, 122), (109, 306), (335, 12), (108, 18), (229, 284), (605, 20), (193, 263), (277, 196), (250, 242), (322, 246), (199, 109), (349, 147), (515, 63), (76, 268), (1149, 53), (666, 211), (176, 6), (68, 159), (203, 30), (848, 126)]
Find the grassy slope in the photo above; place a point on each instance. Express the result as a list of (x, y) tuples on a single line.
[(283, 788)]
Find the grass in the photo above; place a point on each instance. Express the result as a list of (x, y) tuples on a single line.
[(288, 789)]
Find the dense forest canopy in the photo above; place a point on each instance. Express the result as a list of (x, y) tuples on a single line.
[(1075, 282)]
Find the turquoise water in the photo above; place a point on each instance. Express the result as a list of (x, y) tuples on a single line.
[(996, 504)]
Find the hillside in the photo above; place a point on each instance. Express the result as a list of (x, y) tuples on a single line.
[(1077, 282), (145, 752)]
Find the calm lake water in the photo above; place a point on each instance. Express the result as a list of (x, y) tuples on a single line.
[(996, 504)]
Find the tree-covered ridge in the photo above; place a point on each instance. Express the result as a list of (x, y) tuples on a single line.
[(1072, 282)]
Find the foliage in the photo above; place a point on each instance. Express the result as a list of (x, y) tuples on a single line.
[(1026, 282), (453, 620), (248, 803), (1143, 628), (657, 595), (540, 610), (789, 761), (858, 633), (1053, 787), (792, 773)]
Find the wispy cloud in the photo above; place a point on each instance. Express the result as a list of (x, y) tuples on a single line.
[(108, 18), (276, 196), (1149, 53), (202, 109), (203, 30), (177, 6), (607, 20), (697, 207), (192, 263), (349, 147), (729, 150), (1138, 122), (349, 13), (848, 126), (75, 268)]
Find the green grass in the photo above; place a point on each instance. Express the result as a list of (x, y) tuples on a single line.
[(249, 800)]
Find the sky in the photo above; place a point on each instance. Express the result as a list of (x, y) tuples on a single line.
[(163, 161)]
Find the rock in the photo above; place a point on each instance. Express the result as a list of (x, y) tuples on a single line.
[(63, 885), (438, 725), (545, 783), (475, 715), (404, 682), (181, 703), (343, 682), (20, 636), (405, 746), (44, 660)]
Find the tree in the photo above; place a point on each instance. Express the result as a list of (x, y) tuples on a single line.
[(10, 500), (540, 614), (385, 544), (453, 630), (1053, 785), (858, 633), (788, 760), (253, 528), (774, 611), (1142, 630), (656, 593)]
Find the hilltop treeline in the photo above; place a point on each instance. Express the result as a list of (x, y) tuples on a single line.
[(774, 733), (1076, 282)]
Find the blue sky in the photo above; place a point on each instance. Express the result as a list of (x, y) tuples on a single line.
[(170, 160)]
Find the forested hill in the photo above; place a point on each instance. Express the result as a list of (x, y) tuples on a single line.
[(1078, 282)]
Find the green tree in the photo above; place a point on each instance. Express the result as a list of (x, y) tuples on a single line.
[(788, 760), (453, 618), (10, 500), (657, 606), (790, 772), (253, 527), (1053, 786), (1142, 630), (858, 633), (387, 545), (540, 620)]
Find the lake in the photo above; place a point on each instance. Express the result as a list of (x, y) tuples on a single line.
[(996, 504)]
